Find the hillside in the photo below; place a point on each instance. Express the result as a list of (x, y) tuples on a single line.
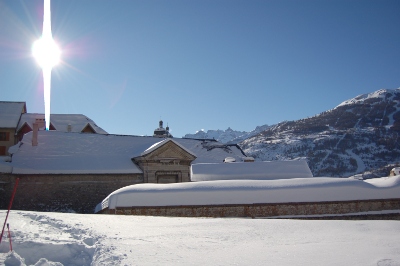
[(360, 135)]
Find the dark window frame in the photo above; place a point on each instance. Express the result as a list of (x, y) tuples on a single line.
[(4, 136)]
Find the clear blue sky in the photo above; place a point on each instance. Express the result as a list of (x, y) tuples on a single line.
[(200, 64)]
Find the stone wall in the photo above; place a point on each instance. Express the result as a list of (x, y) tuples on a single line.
[(63, 193), (263, 210)]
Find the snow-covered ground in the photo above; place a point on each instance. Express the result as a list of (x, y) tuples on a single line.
[(79, 239)]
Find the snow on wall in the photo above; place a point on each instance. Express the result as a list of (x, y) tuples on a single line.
[(252, 191), (251, 170)]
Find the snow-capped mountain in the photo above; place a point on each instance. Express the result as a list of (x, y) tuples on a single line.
[(226, 136), (360, 135)]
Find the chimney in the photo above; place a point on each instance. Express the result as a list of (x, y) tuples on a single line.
[(35, 134), (40, 122)]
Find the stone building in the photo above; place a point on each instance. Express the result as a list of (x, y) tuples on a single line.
[(69, 171)]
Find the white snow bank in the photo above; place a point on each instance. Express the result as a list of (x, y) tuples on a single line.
[(251, 170), (389, 181), (252, 192)]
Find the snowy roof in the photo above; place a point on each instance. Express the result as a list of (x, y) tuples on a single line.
[(10, 113), (252, 192), (61, 121), (163, 142), (251, 170), (79, 153)]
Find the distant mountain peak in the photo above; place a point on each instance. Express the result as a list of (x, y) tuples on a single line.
[(383, 94), (226, 136)]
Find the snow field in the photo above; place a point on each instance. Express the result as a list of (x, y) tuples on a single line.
[(78, 239)]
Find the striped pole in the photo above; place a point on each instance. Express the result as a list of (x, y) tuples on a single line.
[(9, 207)]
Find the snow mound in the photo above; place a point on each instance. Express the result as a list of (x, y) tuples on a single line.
[(251, 192), (13, 259)]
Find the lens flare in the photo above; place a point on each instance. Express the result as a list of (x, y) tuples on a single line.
[(47, 54)]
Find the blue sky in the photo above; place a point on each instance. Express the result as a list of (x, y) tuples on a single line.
[(200, 64)]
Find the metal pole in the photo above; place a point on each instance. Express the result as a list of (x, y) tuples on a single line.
[(9, 236), (9, 207)]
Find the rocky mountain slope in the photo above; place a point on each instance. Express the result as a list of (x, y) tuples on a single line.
[(359, 136)]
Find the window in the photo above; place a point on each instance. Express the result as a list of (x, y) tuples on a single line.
[(4, 136), (2, 150)]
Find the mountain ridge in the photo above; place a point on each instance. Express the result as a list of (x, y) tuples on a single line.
[(357, 137), (228, 136)]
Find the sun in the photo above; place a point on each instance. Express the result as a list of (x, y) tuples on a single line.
[(46, 52)]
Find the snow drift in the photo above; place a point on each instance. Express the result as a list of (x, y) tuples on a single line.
[(252, 192)]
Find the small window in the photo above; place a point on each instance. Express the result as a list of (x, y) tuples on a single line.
[(4, 136)]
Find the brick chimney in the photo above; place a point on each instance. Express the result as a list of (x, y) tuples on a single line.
[(35, 134)]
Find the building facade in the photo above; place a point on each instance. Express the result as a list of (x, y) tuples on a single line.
[(69, 171)]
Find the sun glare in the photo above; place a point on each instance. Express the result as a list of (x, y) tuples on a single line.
[(47, 54)]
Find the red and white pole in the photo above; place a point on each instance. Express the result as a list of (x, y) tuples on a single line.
[(9, 207)]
